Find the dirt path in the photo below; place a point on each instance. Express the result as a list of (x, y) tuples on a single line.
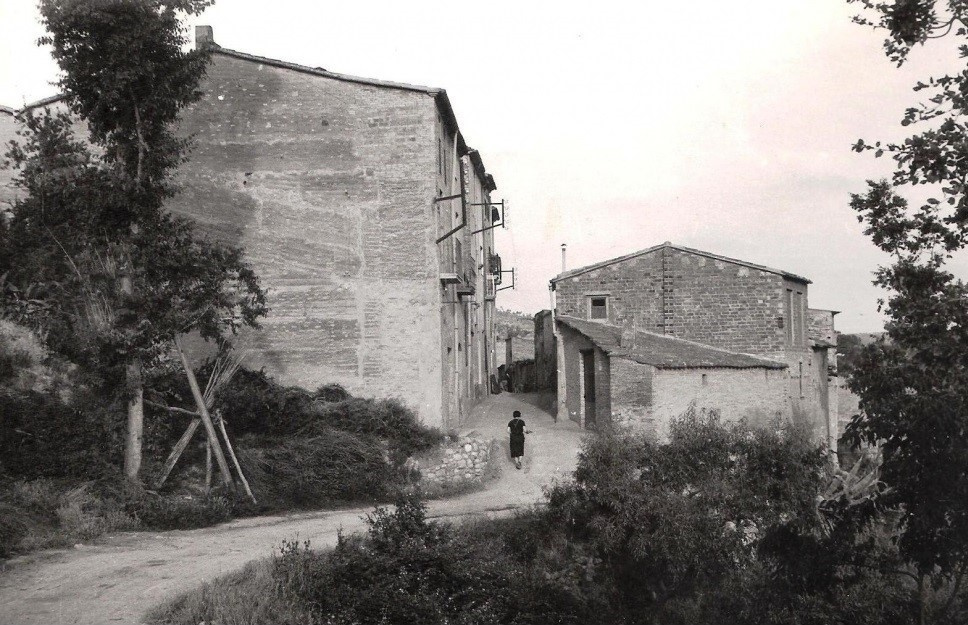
[(118, 579)]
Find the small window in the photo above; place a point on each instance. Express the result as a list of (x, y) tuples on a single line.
[(598, 308)]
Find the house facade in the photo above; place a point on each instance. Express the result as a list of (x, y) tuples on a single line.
[(367, 217), (642, 337)]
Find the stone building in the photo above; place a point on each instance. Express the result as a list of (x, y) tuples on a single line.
[(365, 213), (642, 336)]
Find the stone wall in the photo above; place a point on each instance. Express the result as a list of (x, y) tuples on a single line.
[(571, 381), (464, 461), (820, 325), (329, 186), (8, 132), (717, 302), (686, 295), (757, 395), (631, 394), (545, 351)]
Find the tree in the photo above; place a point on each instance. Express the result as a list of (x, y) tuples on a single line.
[(93, 224), (913, 387)]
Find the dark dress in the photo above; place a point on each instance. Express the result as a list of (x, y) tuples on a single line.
[(517, 437)]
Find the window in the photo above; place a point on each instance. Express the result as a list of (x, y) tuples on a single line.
[(598, 307)]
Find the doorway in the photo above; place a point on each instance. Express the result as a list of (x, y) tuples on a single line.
[(588, 377)]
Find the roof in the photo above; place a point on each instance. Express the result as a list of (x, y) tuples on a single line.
[(665, 352), (574, 272), (7, 110), (439, 95)]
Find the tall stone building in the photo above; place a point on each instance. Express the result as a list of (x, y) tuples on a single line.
[(366, 215), (643, 336)]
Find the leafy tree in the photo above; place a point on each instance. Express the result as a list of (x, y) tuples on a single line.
[(126, 275), (914, 386)]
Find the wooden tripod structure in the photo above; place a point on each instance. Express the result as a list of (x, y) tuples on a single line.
[(202, 417)]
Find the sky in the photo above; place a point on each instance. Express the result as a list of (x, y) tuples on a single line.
[(615, 126)]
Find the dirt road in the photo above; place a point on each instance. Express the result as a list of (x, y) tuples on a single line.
[(121, 577)]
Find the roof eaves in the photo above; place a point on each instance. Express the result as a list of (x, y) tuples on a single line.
[(7, 110), (736, 261), (618, 259), (681, 248), (319, 71), (45, 101), (478, 163)]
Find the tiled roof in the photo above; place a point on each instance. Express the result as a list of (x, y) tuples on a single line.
[(665, 352), (681, 248)]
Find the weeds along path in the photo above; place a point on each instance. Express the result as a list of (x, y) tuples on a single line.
[(121, 577)]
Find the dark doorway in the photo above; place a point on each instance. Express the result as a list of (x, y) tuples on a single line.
[(588, 373)]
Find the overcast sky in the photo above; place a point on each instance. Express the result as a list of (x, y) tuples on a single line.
[(612, 127)]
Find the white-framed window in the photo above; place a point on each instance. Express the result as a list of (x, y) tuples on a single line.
[(598, 307)]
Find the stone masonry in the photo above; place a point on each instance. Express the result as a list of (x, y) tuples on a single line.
[(329, 183)]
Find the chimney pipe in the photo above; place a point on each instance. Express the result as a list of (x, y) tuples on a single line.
[(563, 247), (204, 37)]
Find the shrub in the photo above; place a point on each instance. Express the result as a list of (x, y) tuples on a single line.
[(671, 519), (43, 436), (50, 513), (182, 512), (334, 466)]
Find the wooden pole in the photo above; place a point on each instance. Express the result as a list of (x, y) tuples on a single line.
[(235, 461), (177, 451), (208, 468), (223, 466)]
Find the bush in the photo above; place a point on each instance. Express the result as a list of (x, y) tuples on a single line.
[(409, 570), (43, 436), (46, 513), (333, 467)]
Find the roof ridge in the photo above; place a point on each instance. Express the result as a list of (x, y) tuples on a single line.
[(682, 248), (319, 71)]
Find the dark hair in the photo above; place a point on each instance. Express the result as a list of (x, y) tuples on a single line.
[(517, 414)]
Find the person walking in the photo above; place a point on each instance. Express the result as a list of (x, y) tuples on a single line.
[(516, 428)]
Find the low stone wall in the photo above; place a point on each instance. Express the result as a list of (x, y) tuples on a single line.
[(459, 462)]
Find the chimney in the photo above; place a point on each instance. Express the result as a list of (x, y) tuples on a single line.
[(564, 246), (204, 37)]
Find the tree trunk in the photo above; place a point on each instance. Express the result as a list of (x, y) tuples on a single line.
[(136, 409), (136, 417)]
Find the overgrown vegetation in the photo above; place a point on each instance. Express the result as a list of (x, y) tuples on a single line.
[(913, 386), (722, 524), (61, 441)]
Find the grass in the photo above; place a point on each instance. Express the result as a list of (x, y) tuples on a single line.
[(45, 513), (249, 596)]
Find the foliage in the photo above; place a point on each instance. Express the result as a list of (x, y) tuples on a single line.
[(668, 519), (120, 276), (333, 467), (409, 570), (244, 597), (69, 240), (913, 387), (719, 525)]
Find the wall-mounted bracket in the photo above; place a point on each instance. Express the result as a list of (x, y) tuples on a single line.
[(495, 211), (510, 286), (463, 203)]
